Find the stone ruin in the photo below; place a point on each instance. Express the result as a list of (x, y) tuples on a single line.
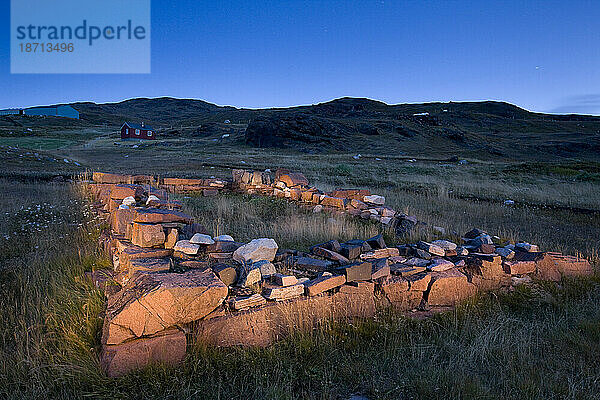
[(173, 281)]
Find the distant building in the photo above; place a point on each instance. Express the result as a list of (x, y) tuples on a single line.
[(137, 131), (53, 111), (11, 111)]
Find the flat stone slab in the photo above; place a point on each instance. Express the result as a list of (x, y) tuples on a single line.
[(243, 303), (153, 302), (312, 264), (324, 283), (145, 265), (329, 254), (159, 215), (104, 177), (186, 247), (405, 270), (280, 293)]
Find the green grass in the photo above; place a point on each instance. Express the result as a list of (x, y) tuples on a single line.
[(36, 143)]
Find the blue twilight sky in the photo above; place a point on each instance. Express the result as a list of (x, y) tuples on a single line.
[(541, 55)]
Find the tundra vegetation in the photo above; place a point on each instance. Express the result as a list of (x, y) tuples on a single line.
[(536, 342)]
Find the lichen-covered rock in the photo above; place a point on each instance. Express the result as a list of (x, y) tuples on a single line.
[(153, 302), (200, 238), (445, 244), (267, 269), (148, 235), (440, 264), (185, 247), (374, 199), (223, 238)]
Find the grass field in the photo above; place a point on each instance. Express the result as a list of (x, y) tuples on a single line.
[(535, 343)]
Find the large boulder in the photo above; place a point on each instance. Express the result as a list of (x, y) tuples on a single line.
[(256, 250), (153, 302)]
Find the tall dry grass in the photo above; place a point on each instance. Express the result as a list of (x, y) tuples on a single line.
[(248, 217), (49, 314)]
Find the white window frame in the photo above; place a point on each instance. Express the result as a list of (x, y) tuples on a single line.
[(149, 133), (137, 132)]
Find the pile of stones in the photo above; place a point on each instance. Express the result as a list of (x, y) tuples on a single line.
[(295, 187), (173, 280)]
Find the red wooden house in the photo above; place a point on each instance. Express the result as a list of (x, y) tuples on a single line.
[(137, 131)]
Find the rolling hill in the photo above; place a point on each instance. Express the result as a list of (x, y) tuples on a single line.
[(489, 128)]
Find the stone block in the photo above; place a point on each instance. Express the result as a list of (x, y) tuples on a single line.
[(333, 202), (280, 293), (449, 288), (165, 347), (377, 242), (293, 179), (380, 269), (226, 273), (329, 254), (172, 238), (256, 250), (324, 283), (519, 267), (148, 235), (284, 280), (359, 271), (121, 218), (249, 274), (245, 302)]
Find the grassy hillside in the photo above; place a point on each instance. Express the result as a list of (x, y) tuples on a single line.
[(483, 130)]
